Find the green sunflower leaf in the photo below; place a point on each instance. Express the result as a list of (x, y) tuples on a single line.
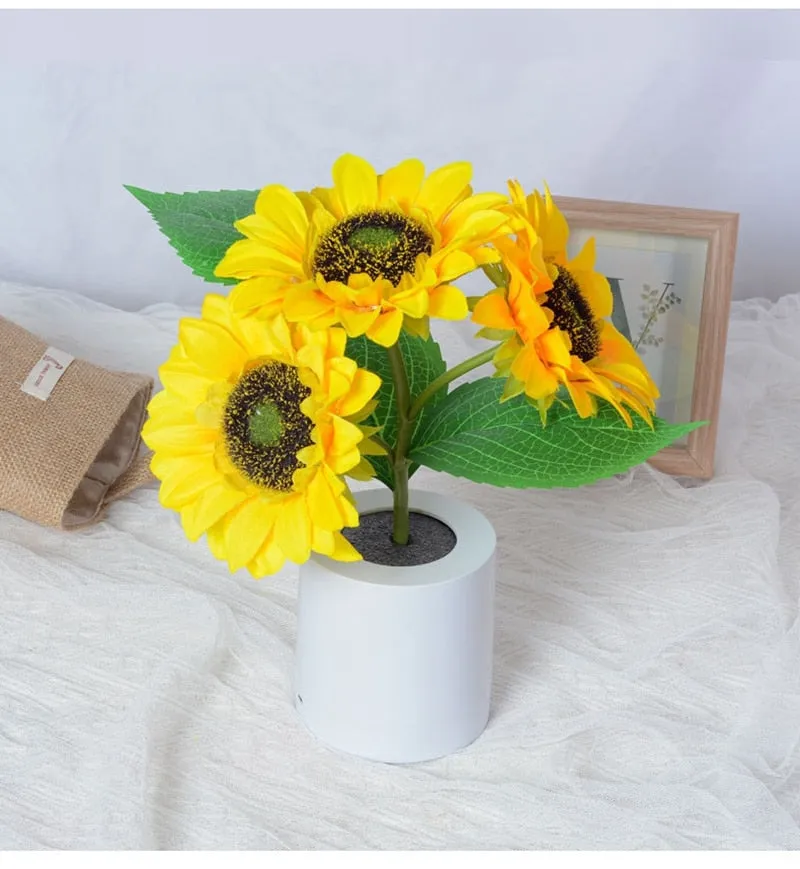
[(199, 225), (424, 363), (470, 434)]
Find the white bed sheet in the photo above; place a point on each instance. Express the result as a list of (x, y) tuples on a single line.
[(647, 676)]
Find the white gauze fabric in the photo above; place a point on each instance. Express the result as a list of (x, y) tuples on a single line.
[(647, 676)]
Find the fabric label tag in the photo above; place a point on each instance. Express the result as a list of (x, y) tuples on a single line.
[(46, 373)]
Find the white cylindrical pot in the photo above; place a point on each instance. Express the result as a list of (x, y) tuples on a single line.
[(395, 663)]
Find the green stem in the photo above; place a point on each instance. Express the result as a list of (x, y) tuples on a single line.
[(400, 463), (451, 374)]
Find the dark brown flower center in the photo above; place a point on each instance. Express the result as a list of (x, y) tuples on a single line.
[(379, 243), (573, 314), (264, 426)]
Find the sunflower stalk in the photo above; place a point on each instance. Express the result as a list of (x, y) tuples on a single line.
[(451, 374), (400, 462)]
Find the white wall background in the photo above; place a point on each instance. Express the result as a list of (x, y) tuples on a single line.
[(682, 108)]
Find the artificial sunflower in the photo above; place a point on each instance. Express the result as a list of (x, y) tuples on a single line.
[(541, 227), (552, 318), (255, 428), (372, 253)]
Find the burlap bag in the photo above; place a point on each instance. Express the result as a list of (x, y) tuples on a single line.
[(65, 454)]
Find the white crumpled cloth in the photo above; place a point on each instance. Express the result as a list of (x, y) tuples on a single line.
[(647, 677)]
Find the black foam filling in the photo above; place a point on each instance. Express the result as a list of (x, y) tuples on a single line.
[(429, 540)]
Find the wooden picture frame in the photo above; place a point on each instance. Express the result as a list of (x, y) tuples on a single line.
[(717, 230)]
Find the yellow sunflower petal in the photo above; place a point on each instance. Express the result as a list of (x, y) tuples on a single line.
[(328, 198), (259, 229), (322, 221), (465, 209), (554, 346), (444, 188), (402, 183), (346, 436), (538, 379), (584, 261), (166, 408), (325, 503), (342, 365), (269, 560), (584, 402), (293, 529), (312, 356), (215, 538), (184, 380), (187, 481), (217, 309), (342, 449), (308, 305), (246, 530), (309, 202), (363, 386), (517, 195), (614, 398), (214, 503), (165, 466), (357, 322), (338, 384), (454, 265), (343, 549), (639, 406), (413, 301), (493, 311), (349, 509), (448, 303), (386, 329), (356, 183), (594, 287), (177, 439), (282, 208), (322, 541), (362, 281), (214, 350), (363, 413), (615, 347), (480, 227), (209, 414), (600, 386), (555, 230), (266, 294), (344, 463), (531, 317), (628, 375), (311, 455), (484, 256), (250, 258)]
